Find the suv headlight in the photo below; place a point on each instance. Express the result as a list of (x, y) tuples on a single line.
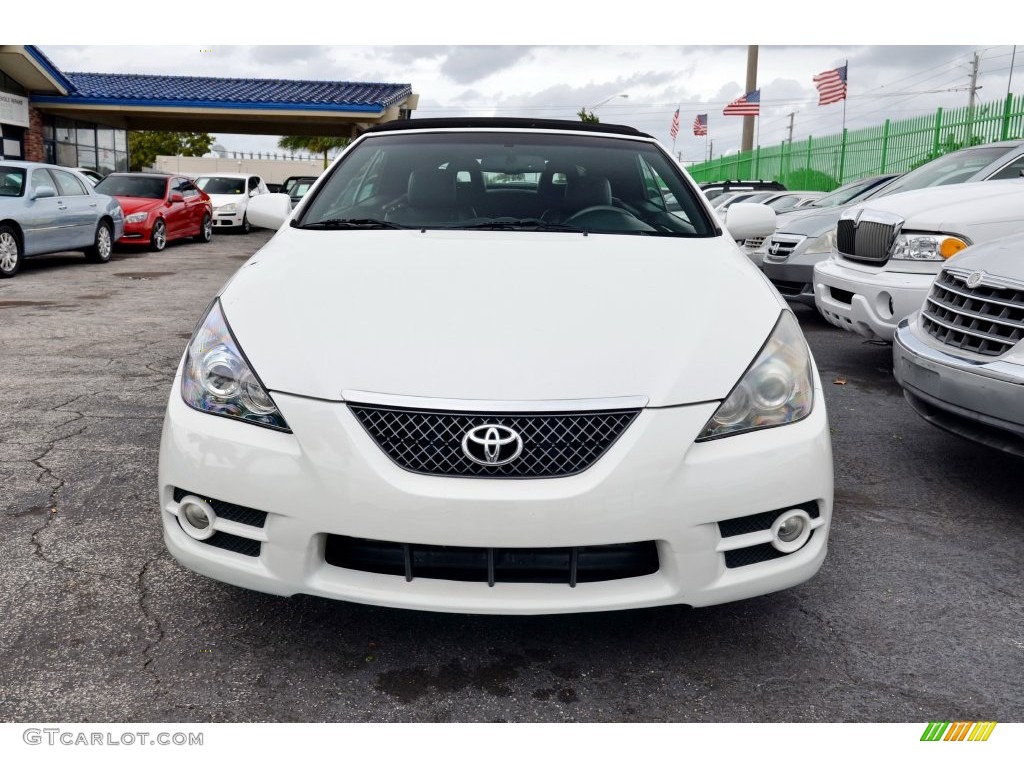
[(825, 243), (135, 218), (918, 247), (218, 379), (777, 389)]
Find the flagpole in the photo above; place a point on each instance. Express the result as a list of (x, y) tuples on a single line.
[(847, 94)]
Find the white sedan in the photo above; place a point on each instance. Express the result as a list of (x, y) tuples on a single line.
[(230, 194), (486, 369)]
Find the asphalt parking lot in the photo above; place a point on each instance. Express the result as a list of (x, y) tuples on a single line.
[(915, 616)]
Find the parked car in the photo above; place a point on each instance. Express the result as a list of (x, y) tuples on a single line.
[(230, 194), (783, 202), (713, 189), (299, 187), (46, 209), (802, 238), (960, 359), (485, 370), (287, 184), (159, 208), (888, 251)]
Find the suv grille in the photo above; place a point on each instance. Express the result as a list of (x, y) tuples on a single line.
[(779, 247), (554, 444), (986, 319), (867, 241)]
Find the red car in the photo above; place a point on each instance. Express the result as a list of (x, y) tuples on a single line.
[(159, 208)]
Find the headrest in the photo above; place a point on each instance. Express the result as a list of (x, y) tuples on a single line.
[(431, 189), (589, 190)]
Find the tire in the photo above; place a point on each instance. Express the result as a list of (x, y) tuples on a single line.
[(205, 230), (11, 252), (103, 245), (158, 240), (246, 227)]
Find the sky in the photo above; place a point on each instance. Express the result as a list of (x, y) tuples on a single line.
[(627, 70)]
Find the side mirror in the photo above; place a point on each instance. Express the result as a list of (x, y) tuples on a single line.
[(269, 211), (176, 197), (44, 190), (745, 220)]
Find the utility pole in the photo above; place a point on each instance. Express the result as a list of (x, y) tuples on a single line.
[(791, 116), (971, 98), (747, 143)]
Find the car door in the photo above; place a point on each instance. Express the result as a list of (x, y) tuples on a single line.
[(81, 209), (44, 216), (176, 213), (194, 205)]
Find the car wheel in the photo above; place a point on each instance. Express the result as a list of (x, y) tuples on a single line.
[(246, 226), (158, 240), (205, 230), (99, 252), (11, 254)]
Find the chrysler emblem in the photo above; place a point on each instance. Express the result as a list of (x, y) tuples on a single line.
[(974, 279), (492, 445)]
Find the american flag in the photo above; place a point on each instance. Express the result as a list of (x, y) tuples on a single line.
[(700, 125), (831, 86), (674, 130), (745, 105)]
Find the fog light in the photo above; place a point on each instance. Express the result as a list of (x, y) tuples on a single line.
[(791, 530), (196, 517)]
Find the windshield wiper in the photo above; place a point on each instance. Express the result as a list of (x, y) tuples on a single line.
[(350, 224), (525, 224)]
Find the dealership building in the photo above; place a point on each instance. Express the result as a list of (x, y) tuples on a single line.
[(82, 119)]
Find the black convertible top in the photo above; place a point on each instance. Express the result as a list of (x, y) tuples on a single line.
[(504, 122)]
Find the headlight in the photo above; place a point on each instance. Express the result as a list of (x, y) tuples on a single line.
[(217, 378), (136, 218), (229, 208), (914, 247), (823, 243), (778, 388)]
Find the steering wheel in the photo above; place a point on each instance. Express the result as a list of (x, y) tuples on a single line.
[(596, 209)]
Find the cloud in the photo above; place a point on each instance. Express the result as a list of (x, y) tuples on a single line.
[(469, 64)]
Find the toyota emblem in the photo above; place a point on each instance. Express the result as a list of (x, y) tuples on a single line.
[(492, 445), (974, 279)]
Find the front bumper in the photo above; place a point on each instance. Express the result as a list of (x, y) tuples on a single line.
[(794, 276), (980, 400), (137, 232), (654, 484), (225, 220), (870, 304)]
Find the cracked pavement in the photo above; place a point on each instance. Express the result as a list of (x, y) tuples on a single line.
[(914, 617)]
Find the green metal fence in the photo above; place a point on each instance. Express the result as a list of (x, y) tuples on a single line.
[(826, 162)]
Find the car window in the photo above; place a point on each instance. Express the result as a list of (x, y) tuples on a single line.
[(1012, 170), (539, 180), (12, 181), (67, 184), (149, 187), (954, 168), (221, 185), (254, 183), (189, 190)]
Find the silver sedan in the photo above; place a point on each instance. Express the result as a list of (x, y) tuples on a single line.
[(45, 209)]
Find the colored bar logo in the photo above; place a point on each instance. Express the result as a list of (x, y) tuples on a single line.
[(958, 731)]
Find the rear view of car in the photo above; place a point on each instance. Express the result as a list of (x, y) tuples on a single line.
[(488, 368)]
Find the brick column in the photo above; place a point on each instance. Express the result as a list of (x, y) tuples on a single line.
[(33, 148)]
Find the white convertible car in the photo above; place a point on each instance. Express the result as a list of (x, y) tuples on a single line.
[(495, 366)]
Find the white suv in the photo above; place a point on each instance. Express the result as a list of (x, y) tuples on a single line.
[(888, 251)]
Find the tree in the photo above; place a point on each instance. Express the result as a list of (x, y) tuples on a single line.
[(144, 146), (317, 145), (587, 117)]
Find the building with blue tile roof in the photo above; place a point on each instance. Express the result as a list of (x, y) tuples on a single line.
[(82, 118)]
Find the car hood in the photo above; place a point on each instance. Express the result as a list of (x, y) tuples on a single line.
[(500, 316), (811, 223), (138, 204), (953, 208), (219, 200), (1000, 258)]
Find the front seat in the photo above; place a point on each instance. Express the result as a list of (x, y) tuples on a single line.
[(430, 199), (581, 192)]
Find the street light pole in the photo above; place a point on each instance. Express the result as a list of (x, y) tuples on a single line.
[(602, 103)]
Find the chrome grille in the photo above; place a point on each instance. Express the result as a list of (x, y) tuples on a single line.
[(753, 243), (554, 444), (779, 247), (866, 240), (986, 319)]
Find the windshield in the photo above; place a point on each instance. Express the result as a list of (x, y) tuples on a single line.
[(845, 194), (954, 168), (153, 187), (221, 185), (508, 180), (12, 181)]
